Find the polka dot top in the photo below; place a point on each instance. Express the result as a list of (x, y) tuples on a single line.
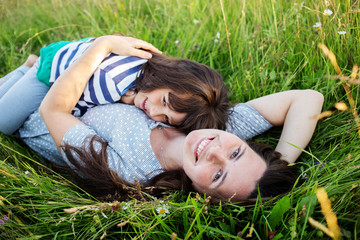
[(245, 122), (127, 130)]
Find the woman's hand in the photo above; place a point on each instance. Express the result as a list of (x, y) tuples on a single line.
[(297, 111), (128, 46)]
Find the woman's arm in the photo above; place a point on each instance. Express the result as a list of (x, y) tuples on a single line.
[(62, 97), (297, 111)]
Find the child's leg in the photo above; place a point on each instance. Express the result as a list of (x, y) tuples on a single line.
[(23, 98), (11, 78)]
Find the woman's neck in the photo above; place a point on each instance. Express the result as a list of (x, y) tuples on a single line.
[(168, 144)]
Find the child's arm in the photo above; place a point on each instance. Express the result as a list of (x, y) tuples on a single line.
[(62, 97), (296, 110)]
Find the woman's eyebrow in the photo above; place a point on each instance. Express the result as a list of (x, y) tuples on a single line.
[(225, 175), (222, 180)]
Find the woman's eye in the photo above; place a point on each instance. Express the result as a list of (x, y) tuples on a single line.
[(235, 154), (167, 120), (164, 101), (218, 175)]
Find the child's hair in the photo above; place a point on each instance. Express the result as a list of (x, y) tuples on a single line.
[(206, 103)]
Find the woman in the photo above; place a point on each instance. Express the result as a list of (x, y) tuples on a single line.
[(215, 162)]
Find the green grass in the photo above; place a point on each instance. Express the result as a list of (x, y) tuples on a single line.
[(264, 47)]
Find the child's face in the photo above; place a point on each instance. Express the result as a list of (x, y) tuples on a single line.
[(156, 105)]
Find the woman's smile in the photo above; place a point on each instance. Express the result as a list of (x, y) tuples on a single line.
[(202, 144)]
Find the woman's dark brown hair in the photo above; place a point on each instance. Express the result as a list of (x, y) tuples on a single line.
[(205, 102), (278, 178), (91, 172)]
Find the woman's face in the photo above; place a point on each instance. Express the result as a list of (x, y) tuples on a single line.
[(221, 164), (156, 105)]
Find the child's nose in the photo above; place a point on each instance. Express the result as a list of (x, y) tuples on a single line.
[(157, 113), (154, 112)]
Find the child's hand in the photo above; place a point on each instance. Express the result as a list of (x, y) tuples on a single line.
[(128, 97), (128, 46)]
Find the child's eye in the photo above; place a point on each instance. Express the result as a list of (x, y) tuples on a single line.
[(167, 120), (217, 176), (235, 154), (164, 101)]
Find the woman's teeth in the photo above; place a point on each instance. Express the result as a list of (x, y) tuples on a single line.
[(201, 147)]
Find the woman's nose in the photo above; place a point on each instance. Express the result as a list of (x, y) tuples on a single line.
[(216, 155)]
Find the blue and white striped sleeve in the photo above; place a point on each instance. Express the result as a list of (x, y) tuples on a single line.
[(114, 77)]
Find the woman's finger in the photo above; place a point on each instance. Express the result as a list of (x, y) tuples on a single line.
[(146, 46), (140, 53), (129, 46)]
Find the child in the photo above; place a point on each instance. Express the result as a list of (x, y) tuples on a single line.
[(178, 92)]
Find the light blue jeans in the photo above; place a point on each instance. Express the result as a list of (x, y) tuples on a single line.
[(20, 95)]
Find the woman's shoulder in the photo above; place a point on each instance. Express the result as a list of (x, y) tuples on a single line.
[(118, 115), (246, 122), (127, 130), (244, 110), (114, 110)]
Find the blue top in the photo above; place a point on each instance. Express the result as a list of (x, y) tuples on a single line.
[(127, 130)]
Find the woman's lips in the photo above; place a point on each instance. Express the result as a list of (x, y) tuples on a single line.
[(200, 147)]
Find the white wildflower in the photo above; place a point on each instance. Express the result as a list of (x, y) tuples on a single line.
[(317, 25), (342, 32), (327, 12), (162, 210), (196, 21), (216, 40)]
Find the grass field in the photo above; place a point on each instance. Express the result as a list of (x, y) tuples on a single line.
[(259, 47)]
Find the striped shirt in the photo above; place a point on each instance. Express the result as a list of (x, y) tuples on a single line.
[(114, 76)]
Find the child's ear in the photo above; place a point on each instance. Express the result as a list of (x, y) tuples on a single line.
[(130, 92), (128, 97)]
